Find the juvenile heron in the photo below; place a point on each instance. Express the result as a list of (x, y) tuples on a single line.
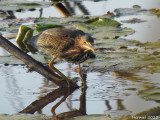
[(70, 45)]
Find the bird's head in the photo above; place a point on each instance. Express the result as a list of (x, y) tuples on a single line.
[(87, 45)]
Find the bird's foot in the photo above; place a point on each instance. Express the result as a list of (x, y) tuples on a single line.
[(84, 85)]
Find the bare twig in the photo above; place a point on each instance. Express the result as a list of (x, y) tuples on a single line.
[(32, 63)]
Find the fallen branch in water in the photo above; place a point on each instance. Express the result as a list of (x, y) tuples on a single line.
[(32, 63)]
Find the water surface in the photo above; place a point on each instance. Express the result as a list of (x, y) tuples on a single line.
[(106, 93)]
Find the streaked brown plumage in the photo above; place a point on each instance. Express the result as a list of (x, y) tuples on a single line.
[(69, 45)]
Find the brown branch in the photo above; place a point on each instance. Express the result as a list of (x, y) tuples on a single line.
[(62, 10), (68, 7), (32, 63), (82, 8)]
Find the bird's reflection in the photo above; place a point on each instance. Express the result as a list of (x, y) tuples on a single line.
[(37, 105), (74, 113)]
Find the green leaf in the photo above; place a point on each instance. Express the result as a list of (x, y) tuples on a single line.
[(103, 21), (45, 27)]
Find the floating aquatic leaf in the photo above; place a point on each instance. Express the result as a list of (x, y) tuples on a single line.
[(111, 32), (150, 45), (24, 117), (156, 11), (40, 28), (156, 53), (23, 30), (21, 5), (109, 48), (14, 61), (129, 11), (136, 6), (145, 115), (103, 21), (151, 93), (27, 4), (133, 21), (98, 32), (83, 27)]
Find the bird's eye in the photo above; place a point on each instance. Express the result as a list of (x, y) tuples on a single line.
[(85, 42), (65, 35)]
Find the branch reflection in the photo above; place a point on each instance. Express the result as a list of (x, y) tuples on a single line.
[(62, 10), (66, 10), (38, 105)]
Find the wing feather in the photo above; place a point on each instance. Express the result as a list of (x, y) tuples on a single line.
[(54, 42)]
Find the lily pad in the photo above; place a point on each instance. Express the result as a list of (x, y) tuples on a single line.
[(133, 21), (24, 34), (109, 48), (40, 28), (129, 11), (111, 32), (103, 21), (24, 117), (124, 59), (21, 4), (151, 93), (27, 4), (136, 6), (11, 60), (155, 11), (150, 45), (91, 117)]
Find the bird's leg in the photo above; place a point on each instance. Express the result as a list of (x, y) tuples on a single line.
[(80, 73), (57, 71)]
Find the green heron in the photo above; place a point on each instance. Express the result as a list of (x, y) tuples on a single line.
[(70, 45)]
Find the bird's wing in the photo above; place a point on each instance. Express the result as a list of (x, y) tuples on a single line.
[(54, 43)]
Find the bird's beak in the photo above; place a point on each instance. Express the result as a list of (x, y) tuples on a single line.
[(91, 48)]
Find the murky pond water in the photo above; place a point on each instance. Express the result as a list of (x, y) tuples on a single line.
[(108, 92)]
